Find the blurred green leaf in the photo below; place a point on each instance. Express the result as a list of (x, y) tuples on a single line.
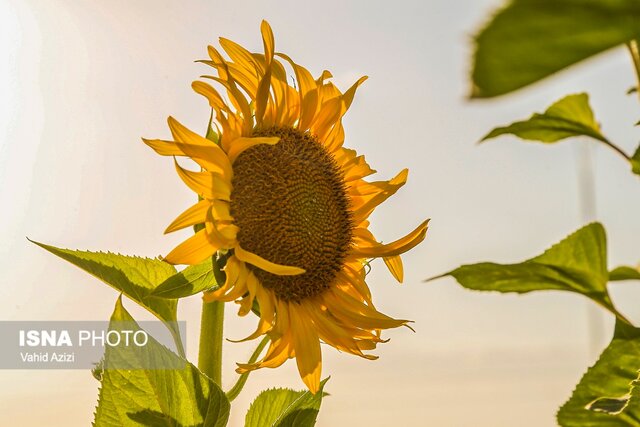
[(134, 276), (624, 273), (529, 40), (570, 116), (190, 281), (606, 394), (635, 161), (576, 264), (285, 408), (155, 397)]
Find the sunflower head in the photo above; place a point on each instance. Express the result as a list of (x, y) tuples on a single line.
[(289, 204)]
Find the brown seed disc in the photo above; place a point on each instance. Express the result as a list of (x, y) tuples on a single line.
[(290, 204)]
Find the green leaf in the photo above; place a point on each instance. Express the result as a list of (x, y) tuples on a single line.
[(624, 273), (568, 117), (155, 397), (190, 281), (635, 161), (606, 395), (284, 407), (531, 39), (133, 276), (576, 264)]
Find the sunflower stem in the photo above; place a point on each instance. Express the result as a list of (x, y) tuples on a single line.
[(210, 349), (242, 380)]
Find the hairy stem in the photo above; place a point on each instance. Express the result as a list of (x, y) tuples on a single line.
[(210, 349)]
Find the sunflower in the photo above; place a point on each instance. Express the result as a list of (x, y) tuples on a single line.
[(288, 206)]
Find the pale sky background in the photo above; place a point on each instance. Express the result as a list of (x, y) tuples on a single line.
[(82, 81)]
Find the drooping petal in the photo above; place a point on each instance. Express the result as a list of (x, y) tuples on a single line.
[(278, 353), (365, 248), (352, 311), (337, 335), (235, 284), (267, 312), (356, 279), (247, 301), (307, 347), (394, 264), (271, 267)]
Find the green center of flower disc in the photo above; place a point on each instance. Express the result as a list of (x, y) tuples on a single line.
[(289, 201)]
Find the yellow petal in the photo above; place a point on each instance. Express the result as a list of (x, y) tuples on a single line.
[(215, 100), (268, 40), (277, 354), (335, 138), (394, 264), (235, 284), (267, 311), (206, 153), (247, 301), (328, 115), (221, 211), (239, 55), (306, 85), (356, 280), (192, 251), (242, 144), (307, 347), (348, 96), (209, 185), (223, 232), (354, 312), (366, 196), (196, 214), (333, 333), (369, 249), (164, 148), (354, 166), (262, 97), (271, 267), (235, 95), (326, 74)]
